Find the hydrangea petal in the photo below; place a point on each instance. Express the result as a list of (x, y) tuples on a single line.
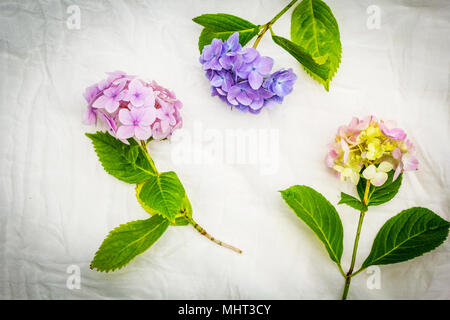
[(148, 116), (255, 80), (264, 65), (244, 98), (142, 132), (397, 153), (125, 132), (354, 178), (370, 172), (379, 179), (90, 117), (111, 105), (100, 102), (397, 172), (385, 166), (125, 117), (250, 54), (410, 163), (346, 150), (395, 134)]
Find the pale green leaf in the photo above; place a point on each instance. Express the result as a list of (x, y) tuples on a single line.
[(320, 70), (125, 162), (180, 218), (127, 241), (164, 194), (315, 29)]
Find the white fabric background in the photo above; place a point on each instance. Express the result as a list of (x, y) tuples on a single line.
[(57, 204)]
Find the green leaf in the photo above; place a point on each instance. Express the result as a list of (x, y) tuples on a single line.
[(320, 70), (314, 28), (319, 215), (125, 162), (352, 202), (222, 26), (409, 234), (127, 241), (180, 218), (164, 194), (382, 194)]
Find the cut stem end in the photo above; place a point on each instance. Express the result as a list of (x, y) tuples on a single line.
[(216, 241)]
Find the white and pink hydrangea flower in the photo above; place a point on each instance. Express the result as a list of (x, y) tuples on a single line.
[(132, 108), (370, 148)]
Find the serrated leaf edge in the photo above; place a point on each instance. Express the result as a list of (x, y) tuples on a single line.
[(446, 225), (92, 136), (359, 201), (338, 260), (110, 233)]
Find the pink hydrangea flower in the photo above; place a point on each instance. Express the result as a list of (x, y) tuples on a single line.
[(90, 116), (394, 133), (138, 94), (91, 92), (136, 122), (111, 97), (116, 77), (131, 108)]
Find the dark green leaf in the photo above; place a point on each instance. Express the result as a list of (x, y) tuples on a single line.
[(409, 234), (352, 202), (127, 241), (319, 215), (315, 29), (222, 26), (320, 70), (382, 194), (164, 194), (125, 162)]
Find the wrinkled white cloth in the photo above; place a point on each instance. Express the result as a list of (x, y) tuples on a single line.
[(57, 204)]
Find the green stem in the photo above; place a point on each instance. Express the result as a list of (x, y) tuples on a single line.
[(207, 235), (192, 222), (349, 275), (271, 22), (352, 265), (356, 272), (143, 146), (341, 270)]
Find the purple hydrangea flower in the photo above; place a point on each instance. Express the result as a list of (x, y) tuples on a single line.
[(221, 94), (221, 79), (257, 70), (242, 77), (211, 55), (243, 94), (281, 82), (232, 62), (232, 45)]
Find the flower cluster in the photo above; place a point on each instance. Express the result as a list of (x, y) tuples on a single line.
[(242, 78), (130, 107), (373, 145)]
